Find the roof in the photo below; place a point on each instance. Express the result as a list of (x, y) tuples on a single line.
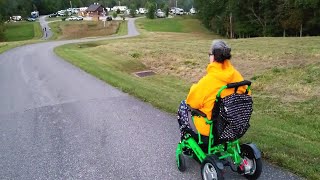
[(94, 7)]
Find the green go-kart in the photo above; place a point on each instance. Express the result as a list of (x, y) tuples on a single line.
[(222, 147)]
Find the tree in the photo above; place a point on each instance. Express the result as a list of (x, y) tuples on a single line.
[(2, 29), (151, 6), (133, 8)]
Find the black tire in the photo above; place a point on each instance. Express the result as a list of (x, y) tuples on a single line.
[(182, 163), (210, 169), (256, 164)]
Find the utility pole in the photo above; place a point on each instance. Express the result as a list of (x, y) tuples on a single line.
[(71, 7), (176, 3)]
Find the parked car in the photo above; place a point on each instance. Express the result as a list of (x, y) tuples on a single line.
[(31, 19), (109, 18), (160, 14), (72, 18), (79, 18)]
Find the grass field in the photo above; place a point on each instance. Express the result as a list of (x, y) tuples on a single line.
[(34, 33), (285, 72), (186, 24), (20, 31), (81, 29)]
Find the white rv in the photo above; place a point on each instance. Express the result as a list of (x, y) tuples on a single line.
[(192, 11), (142, 10), (16, 18), (121, 8), (35, 14)]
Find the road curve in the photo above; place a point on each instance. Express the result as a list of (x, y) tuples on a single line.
[(58, 122)]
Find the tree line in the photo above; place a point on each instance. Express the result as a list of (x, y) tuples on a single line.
[(253, 18)]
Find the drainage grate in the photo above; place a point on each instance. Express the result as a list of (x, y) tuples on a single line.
[(144, 73)]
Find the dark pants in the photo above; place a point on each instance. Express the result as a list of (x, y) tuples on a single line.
[(183, 119)]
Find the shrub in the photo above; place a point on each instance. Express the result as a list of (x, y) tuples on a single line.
[(114, 14), (2, 29), (151, 10)]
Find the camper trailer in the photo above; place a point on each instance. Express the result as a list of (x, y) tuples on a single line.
[(16, 18), (35, 14)]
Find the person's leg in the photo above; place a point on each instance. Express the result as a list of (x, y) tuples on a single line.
[(183, 118)]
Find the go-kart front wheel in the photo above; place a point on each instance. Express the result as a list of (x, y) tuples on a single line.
[(210, 169)]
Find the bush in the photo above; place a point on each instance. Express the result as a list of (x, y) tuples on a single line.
[(114, 14), (63, 19), (133, 8), (151, 10), (2, 29), (166, 10)]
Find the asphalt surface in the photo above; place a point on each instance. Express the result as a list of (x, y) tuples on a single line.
[(46, 31), (58, 122)]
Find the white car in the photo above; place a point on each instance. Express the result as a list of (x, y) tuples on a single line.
[(160, 14), (79, 18), (72, 18)]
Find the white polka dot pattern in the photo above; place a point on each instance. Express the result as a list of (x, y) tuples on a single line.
[(234, 116)]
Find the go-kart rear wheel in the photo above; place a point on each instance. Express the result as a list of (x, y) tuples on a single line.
[(181, 164), (210, 170), (254, 165)]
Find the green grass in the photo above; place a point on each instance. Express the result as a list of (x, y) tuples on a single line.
[(184, 24), (56, 28), (22, 31), (16, 40), (118, 72), (123, 29), (286, 87)]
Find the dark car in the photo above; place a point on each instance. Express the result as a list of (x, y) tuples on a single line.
[(109, 18)]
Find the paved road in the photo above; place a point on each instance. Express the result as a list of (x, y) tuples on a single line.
[(47, 33), (58, 122)]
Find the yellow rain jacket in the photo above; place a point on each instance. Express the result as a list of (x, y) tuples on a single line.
[(203, 94)]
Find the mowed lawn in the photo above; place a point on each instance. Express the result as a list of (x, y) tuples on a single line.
[(285, 73), (19, 31), (82, 29), (186, 24)]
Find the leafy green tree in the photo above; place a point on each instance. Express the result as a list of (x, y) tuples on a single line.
[(133, 8), (151, 6), (114, 14)]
